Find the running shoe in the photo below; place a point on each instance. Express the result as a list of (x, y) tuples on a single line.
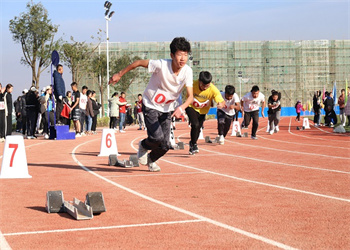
[(254, 137), (191, 149), (142, 154), (271, 132), (195, 148), (221, 140), (152, 166), (277, 129)]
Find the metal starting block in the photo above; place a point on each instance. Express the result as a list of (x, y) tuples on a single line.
[(301, 128), (179, 146), (79, 210), (94, 204), (208, 140), (132, 162), (245, 134)]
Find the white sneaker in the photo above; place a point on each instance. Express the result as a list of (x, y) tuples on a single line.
[(152, 166), (142, 154), (254, 137), (78, 135), (2, 139), (271, 132), (122, 131), (277, 129), (46, 136), (221, 140)]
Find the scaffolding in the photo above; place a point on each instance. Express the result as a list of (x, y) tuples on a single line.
[(295, 68)]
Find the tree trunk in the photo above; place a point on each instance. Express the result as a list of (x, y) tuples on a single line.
[(102, 100)]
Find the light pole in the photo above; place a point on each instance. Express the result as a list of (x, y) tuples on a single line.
[(108, 16)]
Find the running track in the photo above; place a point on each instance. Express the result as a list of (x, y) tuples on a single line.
[(290, 190)]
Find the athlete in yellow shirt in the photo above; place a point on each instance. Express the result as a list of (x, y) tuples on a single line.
[(204, 92)]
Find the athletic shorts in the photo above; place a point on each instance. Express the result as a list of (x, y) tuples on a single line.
[(76, 114)]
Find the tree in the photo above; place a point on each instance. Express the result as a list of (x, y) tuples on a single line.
[(99, 68), (35, 32), (128, 78), (77, 56)]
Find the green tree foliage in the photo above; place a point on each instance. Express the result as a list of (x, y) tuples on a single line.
[(129, 77), (77, 57), (35, 32), (99, 68)]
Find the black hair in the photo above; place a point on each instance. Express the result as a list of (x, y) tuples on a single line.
[(205, 77), (68, 92), (230, 90), (84, 87), (115, 94), (93, 92), (122, 93), (180, 43), (74, 83), (139, 95), (274, 92), (58, 65), (255, 88), (88, 92)]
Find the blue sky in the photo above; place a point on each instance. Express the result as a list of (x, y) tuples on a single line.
[(162, 20)]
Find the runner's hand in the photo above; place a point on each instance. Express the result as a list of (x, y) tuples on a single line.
[(178, 112), (114, 79)]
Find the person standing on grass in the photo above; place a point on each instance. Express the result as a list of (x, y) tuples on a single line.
[(274, 112), (204, 92), (250, 105), (75, 110), (226, 114), (169, 77)]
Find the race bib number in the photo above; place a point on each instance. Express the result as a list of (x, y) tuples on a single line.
[(2, 105), (162, 98), (253, 106), (199, 104)]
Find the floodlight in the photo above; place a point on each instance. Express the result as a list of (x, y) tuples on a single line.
[(110, 15)]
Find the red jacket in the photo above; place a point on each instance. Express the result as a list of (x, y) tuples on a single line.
[(122, 108)]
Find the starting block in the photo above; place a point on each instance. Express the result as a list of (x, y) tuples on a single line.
[(132, 162), (94, 204), (238, 134), (79, 210), (178, 146), (301, 128), (208, 140)]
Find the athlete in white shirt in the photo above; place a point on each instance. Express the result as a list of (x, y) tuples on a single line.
[(168, 79), (226, 114), (250, 105)]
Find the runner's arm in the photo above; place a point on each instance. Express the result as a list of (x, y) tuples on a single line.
[(138, 63), (181, 109)]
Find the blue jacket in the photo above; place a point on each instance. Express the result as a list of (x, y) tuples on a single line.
[(59, 87)]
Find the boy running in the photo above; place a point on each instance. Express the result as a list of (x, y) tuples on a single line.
[(274, 112), (226, 114), (250, 105), (169, 77), (204, 92)]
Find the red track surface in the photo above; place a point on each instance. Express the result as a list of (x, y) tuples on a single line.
[(288, 190)]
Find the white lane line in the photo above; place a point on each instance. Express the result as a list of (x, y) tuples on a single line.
[(289, 151), (200, 217), (302, 144), (314, 137), (147, 175), (3, 243), (257, 182), (103, 228), (215, 153)]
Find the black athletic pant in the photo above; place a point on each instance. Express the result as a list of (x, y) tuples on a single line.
[(196, 121), (248, 116), (59, 108), (224, 122), (94, 123), (31, 121), (2, 124), (112, 122), (158, 131), (46, 121)]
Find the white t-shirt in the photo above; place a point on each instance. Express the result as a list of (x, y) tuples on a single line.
[(228, 103), (252, 104), (82, 101), (164, 87)]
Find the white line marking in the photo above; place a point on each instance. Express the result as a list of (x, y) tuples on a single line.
[(103, 228), (289, 151), (147, 175), (3, 243), (261, 183), (219, 224)]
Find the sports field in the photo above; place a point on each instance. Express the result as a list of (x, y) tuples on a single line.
[(289, 190)]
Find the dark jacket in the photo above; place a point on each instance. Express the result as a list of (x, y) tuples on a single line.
[(59, 88), (32, 102), (95, 106)]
